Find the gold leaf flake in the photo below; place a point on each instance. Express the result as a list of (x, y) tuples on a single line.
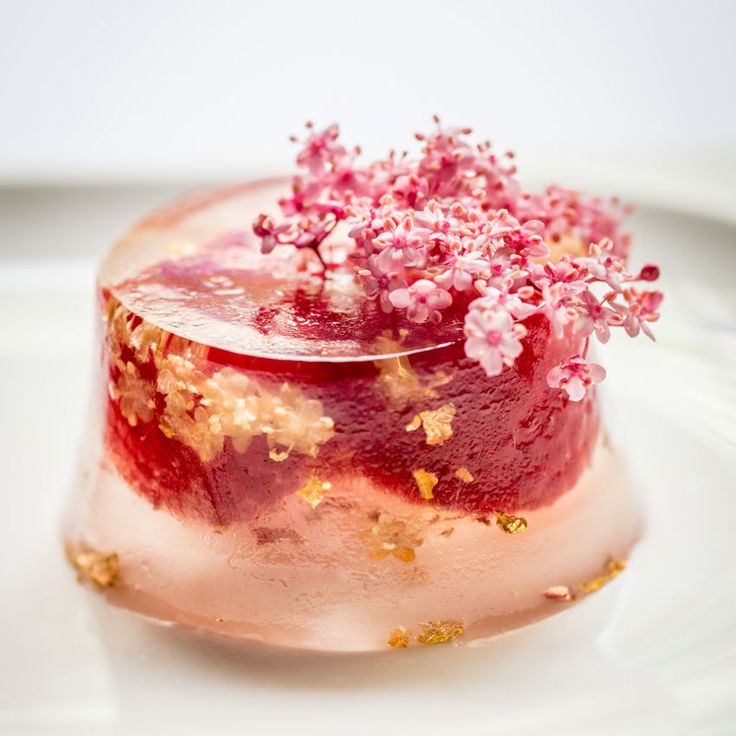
[(440, 632), (405, 554), (100, 568), (437, 424), (464, 475), (425, 481), (612, 570), (314, 490), (399, 638), (510, 524)]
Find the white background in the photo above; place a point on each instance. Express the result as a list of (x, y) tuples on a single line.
[(188, 89)]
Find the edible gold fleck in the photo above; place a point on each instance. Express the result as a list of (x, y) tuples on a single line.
[(464, 475), (510, 524), (399, 638), (440, 632), (405, 554), (437, 424), (314, 490), (426, 482), (100, 568), (612, 570)]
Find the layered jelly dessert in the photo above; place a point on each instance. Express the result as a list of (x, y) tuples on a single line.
[(370, 422)]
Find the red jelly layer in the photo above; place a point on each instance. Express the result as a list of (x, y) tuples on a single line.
[(192, 271), (523, 443)]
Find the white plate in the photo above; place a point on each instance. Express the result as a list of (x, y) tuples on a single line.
[(654, 652)]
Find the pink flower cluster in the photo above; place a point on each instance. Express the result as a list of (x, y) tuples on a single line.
[(574, 375), (455, 226)]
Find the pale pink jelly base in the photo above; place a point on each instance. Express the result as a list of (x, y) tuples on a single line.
[(304, 578)]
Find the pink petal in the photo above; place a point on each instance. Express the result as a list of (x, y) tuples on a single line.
[(597, 372), (418, 313), (554, 377), (575, 388), (439, 299), (401, 298), (492, 362), (422, 286)]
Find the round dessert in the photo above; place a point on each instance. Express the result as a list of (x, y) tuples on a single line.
[(293, 444)]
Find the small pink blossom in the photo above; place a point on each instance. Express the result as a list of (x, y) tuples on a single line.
[(529, 239), (641, 308), (601, 265), (574, 375), (503, 232), (557, 306), (447, 159), (411, 189), (321, 148), (492, 338), (595, 317), (461, 269), (562, 271), (270, 234), (347, 181), (516, 304), (455, 220), (378, 285), (497, 231), (505, 274), (434, 219), (402, 246), (423, 301)]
